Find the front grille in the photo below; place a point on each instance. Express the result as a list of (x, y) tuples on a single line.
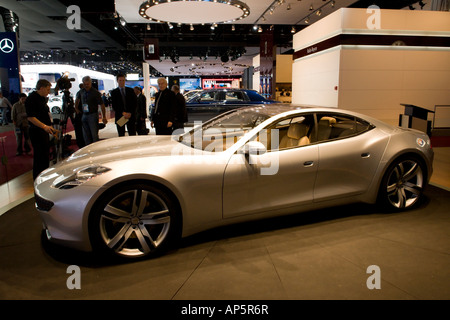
[(42, 204)]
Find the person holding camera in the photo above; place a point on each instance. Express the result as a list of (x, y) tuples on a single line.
[(38, 114), (87, 102)]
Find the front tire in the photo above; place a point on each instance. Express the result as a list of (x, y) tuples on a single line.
[(403, 183), (134, 221)]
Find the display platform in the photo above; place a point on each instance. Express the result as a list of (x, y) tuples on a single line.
[(325, 254)]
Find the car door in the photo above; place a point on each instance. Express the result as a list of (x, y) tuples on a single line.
[(350, 151), (202, 107), (278, 179)]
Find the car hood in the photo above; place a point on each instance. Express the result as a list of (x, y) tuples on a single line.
[(126, 148)]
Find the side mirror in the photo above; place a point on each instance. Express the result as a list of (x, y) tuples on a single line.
[(254, 148), (268, 165)]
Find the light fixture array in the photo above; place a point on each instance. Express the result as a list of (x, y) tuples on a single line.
[(317, 12), (270, 10), (147, 5)]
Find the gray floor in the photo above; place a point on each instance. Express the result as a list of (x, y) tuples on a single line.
[(316, 255)]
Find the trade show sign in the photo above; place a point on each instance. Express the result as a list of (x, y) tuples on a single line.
[(9, 66)]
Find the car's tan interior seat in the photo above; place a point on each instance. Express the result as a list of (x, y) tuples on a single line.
[(325, 127), (296, 136)]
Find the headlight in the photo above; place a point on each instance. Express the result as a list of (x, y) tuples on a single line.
[(79, 177)]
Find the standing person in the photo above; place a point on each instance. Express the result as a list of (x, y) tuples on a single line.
[(4, 105), (19, 118), (124, 104), (75, 117), (105, 100), (141, 111), (38, 114), (163, 113), (87, 102), (180, 112)]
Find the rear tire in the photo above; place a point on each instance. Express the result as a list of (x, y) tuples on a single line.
[(403, 183), (134, 221)]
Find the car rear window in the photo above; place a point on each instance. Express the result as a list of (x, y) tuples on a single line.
[(254, 96)]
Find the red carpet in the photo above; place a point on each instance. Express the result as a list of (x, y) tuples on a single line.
[(440, 141), (12, 166)]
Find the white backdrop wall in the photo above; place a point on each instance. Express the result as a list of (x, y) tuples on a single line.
[(374, 79)]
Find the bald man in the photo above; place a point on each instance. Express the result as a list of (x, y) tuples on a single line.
[(163, 113)]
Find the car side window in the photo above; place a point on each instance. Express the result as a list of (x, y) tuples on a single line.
[(288, 133), (336, 126), (207, 96), (234, 96)]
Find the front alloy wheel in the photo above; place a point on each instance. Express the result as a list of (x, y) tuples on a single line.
[(135, 221), (404, 183)]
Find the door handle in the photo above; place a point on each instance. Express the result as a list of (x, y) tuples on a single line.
[(365, 155), (308, 163)]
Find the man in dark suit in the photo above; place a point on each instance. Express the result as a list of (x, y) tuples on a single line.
[(141, 112), (181, 113), (163, 113), (124, 104)]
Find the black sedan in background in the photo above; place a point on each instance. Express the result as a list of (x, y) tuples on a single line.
[(206, 104)]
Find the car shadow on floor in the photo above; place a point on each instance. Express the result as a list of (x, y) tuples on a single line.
[(94, 260)]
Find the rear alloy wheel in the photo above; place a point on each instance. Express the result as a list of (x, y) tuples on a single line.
[(56, 110), (134, 222), (403, 184)]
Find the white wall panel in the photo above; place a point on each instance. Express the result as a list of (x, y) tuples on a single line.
[(314, 80), (374, 79)]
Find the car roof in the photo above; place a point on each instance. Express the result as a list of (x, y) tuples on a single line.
[(276, 109)]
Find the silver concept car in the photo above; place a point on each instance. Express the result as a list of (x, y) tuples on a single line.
[(132, 196)]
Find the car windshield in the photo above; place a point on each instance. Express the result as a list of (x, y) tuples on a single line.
[(190, 94), (224, 131), (254, 96)]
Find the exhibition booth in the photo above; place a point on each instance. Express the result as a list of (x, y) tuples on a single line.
[(372, 61)]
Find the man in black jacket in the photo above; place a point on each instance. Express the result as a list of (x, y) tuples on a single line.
[(141, 111), (181, 113), (40, 126), (163, 113), (124, 104)]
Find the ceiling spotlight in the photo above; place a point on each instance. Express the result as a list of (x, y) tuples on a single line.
[(123, 22), (170, 25), (307, 20), (293, 29), (288, 6), (233, 27), (255, 27), (333, 3), (149, 27), (311, 8), (260, 29), (319, 12), (191, 27)]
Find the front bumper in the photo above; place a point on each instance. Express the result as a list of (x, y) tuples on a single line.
[(64, 214)]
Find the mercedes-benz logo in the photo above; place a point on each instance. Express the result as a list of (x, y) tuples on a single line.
[(6, 45)]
